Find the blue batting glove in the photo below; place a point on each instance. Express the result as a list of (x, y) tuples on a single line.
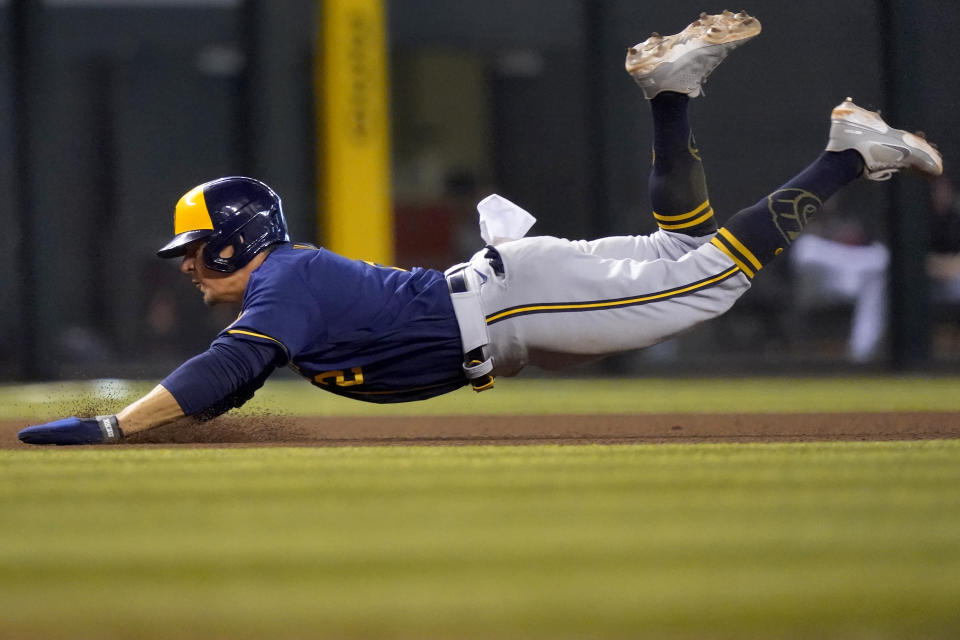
[(72, 430)]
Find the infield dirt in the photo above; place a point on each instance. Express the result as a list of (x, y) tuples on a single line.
[(270, 430)]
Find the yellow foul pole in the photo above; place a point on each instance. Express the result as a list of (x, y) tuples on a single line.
[(353, 147)]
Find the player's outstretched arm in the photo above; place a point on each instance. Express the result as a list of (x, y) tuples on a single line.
[(152, 410), (222, 378)]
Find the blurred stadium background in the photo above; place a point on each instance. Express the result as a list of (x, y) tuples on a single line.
[(114, 108)]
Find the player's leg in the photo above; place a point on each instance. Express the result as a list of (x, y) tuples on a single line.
[(677, 184), (861, 143), (557, 305), (671, 70)]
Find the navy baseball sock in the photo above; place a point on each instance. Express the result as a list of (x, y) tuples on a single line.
[(756, 235), (678, 187)]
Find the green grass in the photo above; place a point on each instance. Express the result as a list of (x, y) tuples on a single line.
[(851, 540), (539, 396), (793, 541)]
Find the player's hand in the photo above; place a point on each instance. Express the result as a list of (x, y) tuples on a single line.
[(73, 430)]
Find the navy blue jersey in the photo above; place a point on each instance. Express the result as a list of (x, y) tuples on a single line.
[(359, 330)]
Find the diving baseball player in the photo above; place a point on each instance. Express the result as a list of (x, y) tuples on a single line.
[(380, 334)]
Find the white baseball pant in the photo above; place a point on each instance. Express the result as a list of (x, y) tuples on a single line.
[(561, 302)]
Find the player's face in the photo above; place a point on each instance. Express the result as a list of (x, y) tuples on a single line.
[(215, 286)]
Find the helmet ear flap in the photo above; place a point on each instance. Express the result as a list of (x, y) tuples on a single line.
[(223, 254), (212, 260)]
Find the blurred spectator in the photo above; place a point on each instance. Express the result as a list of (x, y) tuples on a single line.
[(839, 264)]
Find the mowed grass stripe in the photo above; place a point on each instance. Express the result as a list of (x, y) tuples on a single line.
[(785, 540), (536, 396)]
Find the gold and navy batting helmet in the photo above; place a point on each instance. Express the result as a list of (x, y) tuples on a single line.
[(235, 211)]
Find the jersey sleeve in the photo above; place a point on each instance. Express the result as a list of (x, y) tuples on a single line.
[(223, 377), (278, 310)]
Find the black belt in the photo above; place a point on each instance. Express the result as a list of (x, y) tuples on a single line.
[(457, 283)]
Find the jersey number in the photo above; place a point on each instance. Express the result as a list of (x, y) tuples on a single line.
[(340, 378)]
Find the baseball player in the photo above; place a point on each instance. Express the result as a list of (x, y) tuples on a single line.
[(381, 334)]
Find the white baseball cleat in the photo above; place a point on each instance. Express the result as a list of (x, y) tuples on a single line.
[(885, 150), (683, 61)]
